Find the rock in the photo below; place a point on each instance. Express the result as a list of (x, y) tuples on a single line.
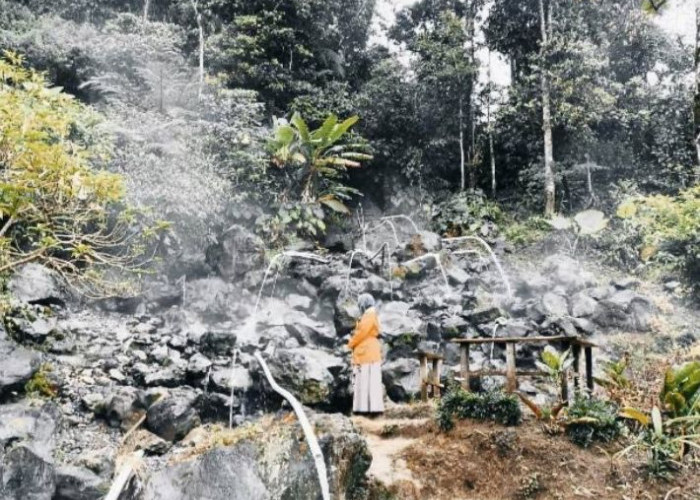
[(300, 302), (26, 474), (273, 464), (78, 483), (401, 378), (555, 305), (686, 340), (584, 326), (454, 327), (396, 319), (625, 309), (346, 316), (36, 284), (483, 315), (672, 286), (198, 365), (236, 252), (582, 306), (99, 461), (17, 365), (26, 448), (150, 443), (32, 330), (173, 416), (310, 374), (123, 408), (212, 298), (172, 376), (223, 379), (218, 342), (456, 275), (625, 283), (162, 295), (567, 273)]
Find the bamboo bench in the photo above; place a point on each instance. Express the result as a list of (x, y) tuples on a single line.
[(511, 373), (430, 379)]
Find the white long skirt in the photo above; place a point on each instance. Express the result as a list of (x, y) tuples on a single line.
[(368, 391)]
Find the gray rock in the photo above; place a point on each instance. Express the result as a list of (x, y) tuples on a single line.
[(456, 275), (122, 407), (310, 374), (401, 378), (172, 376), (346, 316), (36, 284), (567, 273), (164, 295), (174, 415), (625, 283), (198, 365), (223, 379), (555, 305), (77, 483), (26, 448), (582, 306), (271, 465), (396, 319), (424, 242), (483, 315), (17, 365), (218, 342), (35, 330), (300, 302), (236, 252)]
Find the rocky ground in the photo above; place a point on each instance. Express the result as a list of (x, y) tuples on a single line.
[(159, 369)]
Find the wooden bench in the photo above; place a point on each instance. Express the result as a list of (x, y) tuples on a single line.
[(511, 373), (430, 379)]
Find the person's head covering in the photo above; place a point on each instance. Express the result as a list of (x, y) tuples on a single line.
[(365, 301)]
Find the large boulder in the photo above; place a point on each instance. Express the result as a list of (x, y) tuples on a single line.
[(567, 274), (401, 378), (273, 461), (236, 252), (79, 483), (26, 448), (312, 375), (17, 364), (174, 415), (36, 284)]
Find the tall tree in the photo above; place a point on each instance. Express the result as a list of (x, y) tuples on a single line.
[(549, 180)]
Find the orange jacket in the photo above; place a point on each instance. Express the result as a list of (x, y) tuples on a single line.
[(364, 343)]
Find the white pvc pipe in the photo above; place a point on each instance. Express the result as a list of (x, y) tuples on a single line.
[(314, 447)]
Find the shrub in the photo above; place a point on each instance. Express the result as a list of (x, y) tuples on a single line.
[(467, 213), (592, 420), (491, 405)]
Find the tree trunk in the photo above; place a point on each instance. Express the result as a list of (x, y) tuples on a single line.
[(492, 158), (462, 183), (200, 28), (549, 188), (146, 4), (472, 87), (696, 97)]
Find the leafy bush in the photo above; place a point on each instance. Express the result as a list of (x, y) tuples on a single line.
[(467, 213), (592, 420), (529, 231), (668, 229), (57, 206), (681, 390), (491, 405)]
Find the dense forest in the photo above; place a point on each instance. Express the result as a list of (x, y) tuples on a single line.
[(190, 187)]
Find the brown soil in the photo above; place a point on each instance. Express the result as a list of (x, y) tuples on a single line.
[(483, 461)]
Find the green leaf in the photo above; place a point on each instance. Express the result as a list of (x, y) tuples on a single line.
[(335, 205), (341, 129), (301, 126)]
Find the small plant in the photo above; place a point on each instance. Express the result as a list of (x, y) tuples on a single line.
[(592, 420), (664, 442), (554, 363), (547, 415), (615, 380), (467, 213), (680, 394), (530, 487), (491, 405), (40, 384)]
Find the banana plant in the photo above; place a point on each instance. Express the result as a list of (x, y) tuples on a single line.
[(554, 363), (320, 156), (615, 380)]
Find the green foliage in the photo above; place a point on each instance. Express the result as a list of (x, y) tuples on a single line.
[(667, 229), (680, 393), (40, 384), (57, 206), (592, 420), (665, 442), (527, 232), (554, 363), (493, 405), (465, 214), (316, 160)]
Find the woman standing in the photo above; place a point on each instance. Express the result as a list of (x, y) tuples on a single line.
[(368, 392)]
